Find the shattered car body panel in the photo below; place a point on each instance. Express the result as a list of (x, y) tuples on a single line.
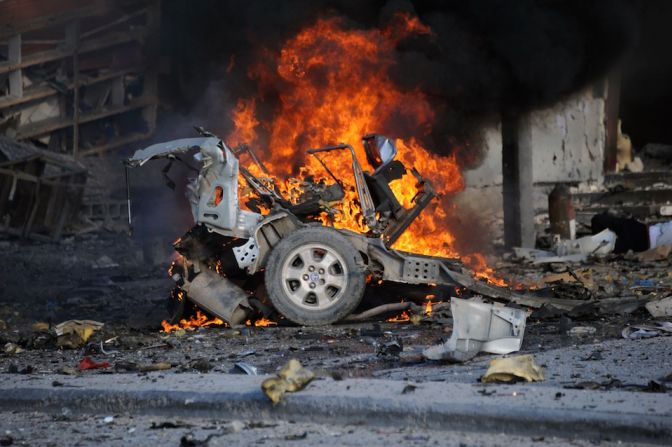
[(480, 327), (213, 195), (320, 277), (142, 156)]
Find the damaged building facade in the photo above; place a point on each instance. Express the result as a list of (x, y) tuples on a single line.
[(76, 81), (573, 135)]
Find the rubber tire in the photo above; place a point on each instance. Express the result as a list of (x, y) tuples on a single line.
[(354, 290)]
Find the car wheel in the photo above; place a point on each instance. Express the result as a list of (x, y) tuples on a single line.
[(315, 276)]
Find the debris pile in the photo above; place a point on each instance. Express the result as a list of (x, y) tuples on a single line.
[(40, 191)]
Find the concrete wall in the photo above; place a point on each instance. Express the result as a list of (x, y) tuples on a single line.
[(568, 141)]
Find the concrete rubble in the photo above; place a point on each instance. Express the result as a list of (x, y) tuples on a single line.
[(660, 308)]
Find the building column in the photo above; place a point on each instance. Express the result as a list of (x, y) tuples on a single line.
[(517, 185)]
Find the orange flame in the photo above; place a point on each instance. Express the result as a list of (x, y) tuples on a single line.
[(408, 23), (198, 320), (479, 265), (335, 88), (261, 322), (403, 317), (264, 322), (428, 304), (246, 122)]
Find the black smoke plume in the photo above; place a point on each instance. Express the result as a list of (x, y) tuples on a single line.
[(485, 58)]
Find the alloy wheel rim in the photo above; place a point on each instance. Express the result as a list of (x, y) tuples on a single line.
[(314, 276)]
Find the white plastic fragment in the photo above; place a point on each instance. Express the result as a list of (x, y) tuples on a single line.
[(660, 308), (601, 243), (660, 234), (477, 327), (665, 210)]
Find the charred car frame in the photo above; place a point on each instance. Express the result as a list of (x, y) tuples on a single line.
[(239, 261)]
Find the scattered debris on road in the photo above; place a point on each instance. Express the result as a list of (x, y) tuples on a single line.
[(653, 329), (511, 369), (73, 334), (12, 348), (88, 363), (159, 366), (478, 327), (244, 368), (291, 378)]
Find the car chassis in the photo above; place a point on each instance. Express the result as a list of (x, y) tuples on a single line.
[(312, 274)]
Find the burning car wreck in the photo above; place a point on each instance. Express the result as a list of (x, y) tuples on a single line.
[(402, 222), (276, 253)]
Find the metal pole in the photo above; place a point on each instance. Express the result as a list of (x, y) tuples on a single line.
[(128, 201)]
